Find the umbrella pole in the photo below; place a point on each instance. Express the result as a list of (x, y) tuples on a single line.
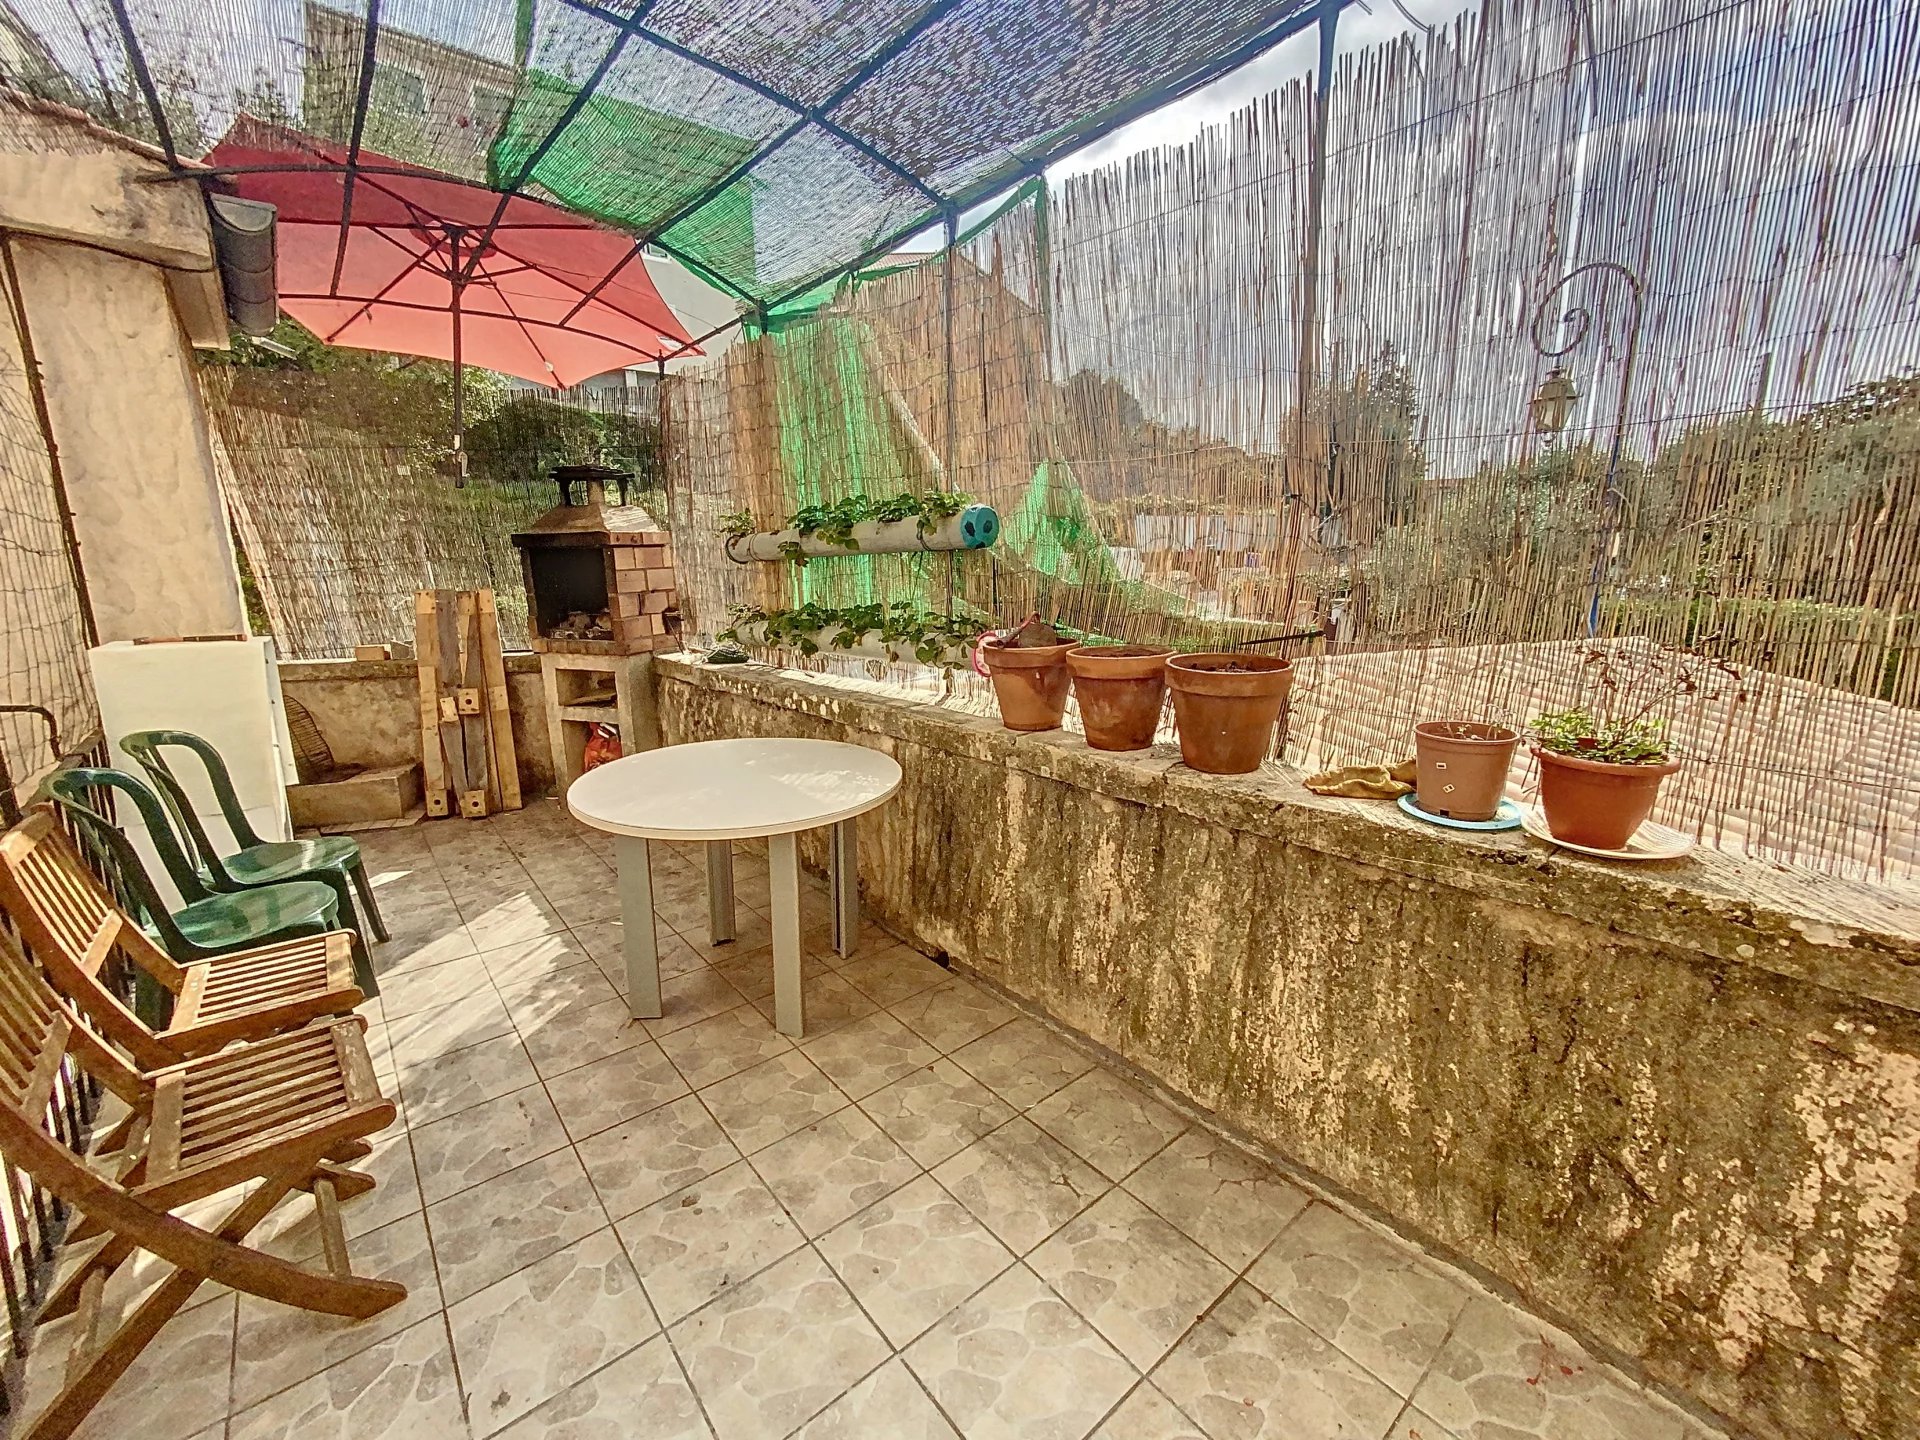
[(459, 371)]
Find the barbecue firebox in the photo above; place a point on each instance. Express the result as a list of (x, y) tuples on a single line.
[(599, 575)]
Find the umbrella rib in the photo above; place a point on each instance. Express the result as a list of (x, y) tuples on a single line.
[(483, 315), (592, 296), (378, 299)]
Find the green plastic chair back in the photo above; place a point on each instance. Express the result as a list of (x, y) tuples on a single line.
[(75, 791), (146, 746)]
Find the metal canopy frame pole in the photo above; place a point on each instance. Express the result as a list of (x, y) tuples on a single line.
[(143, 77), (369, 44)]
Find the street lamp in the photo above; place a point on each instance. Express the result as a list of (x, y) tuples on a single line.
[(1553, 402)]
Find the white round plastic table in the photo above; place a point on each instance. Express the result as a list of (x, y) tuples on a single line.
[(719, 791)]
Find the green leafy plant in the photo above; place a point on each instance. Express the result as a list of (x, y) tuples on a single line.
[(833, 524), (1580, 734), (931, 636)]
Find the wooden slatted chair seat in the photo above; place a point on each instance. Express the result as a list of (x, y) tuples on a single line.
[(283, 1114), (75, 930)]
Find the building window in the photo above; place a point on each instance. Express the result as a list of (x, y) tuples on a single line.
[(397, 91), (490, 108)]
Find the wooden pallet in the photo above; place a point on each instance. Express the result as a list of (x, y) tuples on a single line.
[(467, 755)]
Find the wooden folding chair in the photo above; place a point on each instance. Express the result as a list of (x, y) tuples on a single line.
[(287, 1113), (74, 929)]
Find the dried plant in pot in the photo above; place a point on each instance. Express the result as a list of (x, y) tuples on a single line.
[(1122, 690), (1599, 778), (1028, 666), (1225, 705), (1461, 767)]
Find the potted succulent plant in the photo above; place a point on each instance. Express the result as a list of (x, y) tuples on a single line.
[(1028, 666), (1121, 689), (1461, 767), (1225, 705), (1599, 778)]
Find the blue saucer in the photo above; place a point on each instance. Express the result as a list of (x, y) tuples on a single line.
[(1507, 817)]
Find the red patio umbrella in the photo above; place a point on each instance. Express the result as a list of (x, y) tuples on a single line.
[(382, 255)]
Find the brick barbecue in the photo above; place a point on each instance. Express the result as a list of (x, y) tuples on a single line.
[(599, 575)]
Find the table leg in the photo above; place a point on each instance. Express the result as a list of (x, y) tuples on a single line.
[(720, 891), (783, 874), (636, 920), (843, 873)]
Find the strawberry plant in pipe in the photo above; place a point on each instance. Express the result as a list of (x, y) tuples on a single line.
[(909, 521), (899, 631)]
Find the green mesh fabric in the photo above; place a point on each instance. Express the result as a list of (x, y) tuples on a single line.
[(770, 145)]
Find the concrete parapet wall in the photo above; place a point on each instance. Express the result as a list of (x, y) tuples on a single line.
[(1677, 1107)]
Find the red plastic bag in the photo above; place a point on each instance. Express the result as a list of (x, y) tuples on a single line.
[(603, 744)]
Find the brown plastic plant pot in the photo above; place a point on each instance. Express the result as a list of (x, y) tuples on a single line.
[(1030, 682), (1462, 767), (1226, 706), (1121, 690), (1593, 803)]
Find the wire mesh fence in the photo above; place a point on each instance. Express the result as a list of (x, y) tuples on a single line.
[(1581, 373)]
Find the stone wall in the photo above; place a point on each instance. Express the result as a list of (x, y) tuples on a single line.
[(1676, 1107), (369, 712)]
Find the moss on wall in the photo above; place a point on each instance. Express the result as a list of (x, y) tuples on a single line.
[(1679, 1107)]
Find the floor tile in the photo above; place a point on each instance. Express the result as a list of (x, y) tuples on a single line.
[(410, 991), (528, 960), (534, 1002), (1374, 1297), (1146, 1414), (771, 1354), (510, 920), (486, 1233), (1131, 1275), (174, 1389), (888, 1405), (1112, 1125), (655, 1154), (447, 1028), (568, 1037), (953, 1014), (400, 1389), (894, 974), (912, 1256), (750, 932), (751, 971), (772, 1100), (600, 1095), (1021, 1183), (723, 1045), (524, 1339), (641, 1396), (435, 937), (833, 1168), (396, 1193), (444, 1085), (487, 1140), (1218, 1195), (936, 1112), (690, 998), (703, 1240), (831, 1003), (869, 1053), (1023, 1062), (279, 1346), (1250, 1371), (1504, 1373), (1014, 1363)]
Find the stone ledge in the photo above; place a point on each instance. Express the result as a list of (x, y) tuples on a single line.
[(1849, 936), (518, 662)]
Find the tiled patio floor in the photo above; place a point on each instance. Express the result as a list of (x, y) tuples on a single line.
[(932, 1217)]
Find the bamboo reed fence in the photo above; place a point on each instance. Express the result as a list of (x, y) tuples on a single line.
[(1280, 382)]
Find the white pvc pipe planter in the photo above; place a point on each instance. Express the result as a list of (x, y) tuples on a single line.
[(869, 647), (973, 528)]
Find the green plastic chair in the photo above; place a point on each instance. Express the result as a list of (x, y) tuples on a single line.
[(208, 925), (334, 860)]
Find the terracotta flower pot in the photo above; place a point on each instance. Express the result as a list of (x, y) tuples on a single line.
[(1589, 802), (1462, 767), (1226, 705), (1121, 689), (1030, 682)]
